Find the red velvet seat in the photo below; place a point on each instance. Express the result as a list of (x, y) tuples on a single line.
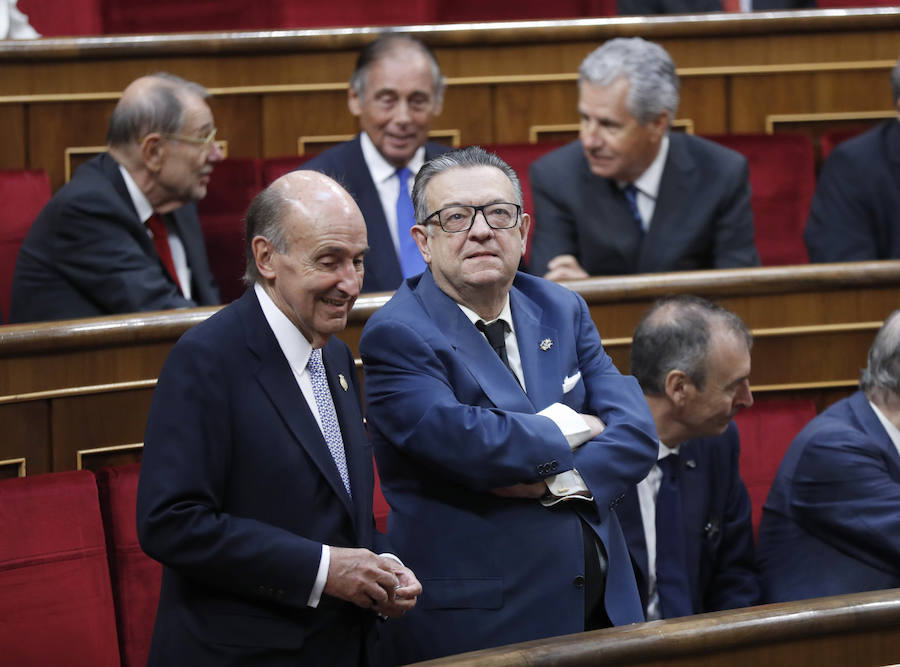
[(767, 429), (23, 193), (135, 576), (64, 18), (275, 167), (56, 605), (234, 183), (782, 180)]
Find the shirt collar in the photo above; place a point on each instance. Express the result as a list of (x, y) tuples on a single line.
[(141, 205), (892, 431), (648, 182), (505, 314), (382, 170), (665, 451), (293, 343)]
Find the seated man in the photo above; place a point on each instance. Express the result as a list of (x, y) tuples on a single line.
[(396, 91), (123, 235), (485, 391), (629, 196), (688, 522), (854, 213), (831, 523)]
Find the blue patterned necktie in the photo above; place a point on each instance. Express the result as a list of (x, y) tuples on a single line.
[(631, 193), (411, 262), (671, 550), (331, 429)]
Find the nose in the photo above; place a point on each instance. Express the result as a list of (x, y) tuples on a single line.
[(744, 397), (350, 281), (480, 227), (402, 113), (215, 153)]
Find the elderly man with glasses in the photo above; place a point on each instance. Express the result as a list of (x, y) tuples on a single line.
[(123, 235), (503, 433)]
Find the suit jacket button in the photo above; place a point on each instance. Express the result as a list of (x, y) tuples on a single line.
[(579, 581), (554, 465)]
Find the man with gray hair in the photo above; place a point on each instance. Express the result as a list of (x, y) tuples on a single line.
[(688, 522), (396, 91), (831, 523), (485, 391), (854, 213), (123, 235), (629, 196)]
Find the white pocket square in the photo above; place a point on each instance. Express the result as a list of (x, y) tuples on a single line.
[(570, 382)]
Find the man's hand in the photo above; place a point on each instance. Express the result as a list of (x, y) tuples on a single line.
[(403, 598), (532, 490), (564, 267), (363, 578), (595, 424)]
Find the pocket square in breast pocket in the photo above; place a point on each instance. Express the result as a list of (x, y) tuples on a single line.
[(570, 382)]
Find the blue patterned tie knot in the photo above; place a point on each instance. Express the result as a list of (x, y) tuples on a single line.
[(411, 261), (331, 428)]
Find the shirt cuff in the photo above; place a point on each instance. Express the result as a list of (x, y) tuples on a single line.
[(321, 577), (568, 421), (566, 485)]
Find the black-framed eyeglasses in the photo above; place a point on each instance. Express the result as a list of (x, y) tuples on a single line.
[(460, 218)]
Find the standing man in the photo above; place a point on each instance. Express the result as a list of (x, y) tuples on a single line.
[(396, 91), (855, 213), (831, 523), (123, 235), (629, 196), (487, 393), (256, 482), (688, 523)]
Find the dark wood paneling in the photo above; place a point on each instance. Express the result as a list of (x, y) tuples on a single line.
[(13, 154), (26, 434)]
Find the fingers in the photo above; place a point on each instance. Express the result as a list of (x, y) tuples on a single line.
[(564, 267), (361, 577)]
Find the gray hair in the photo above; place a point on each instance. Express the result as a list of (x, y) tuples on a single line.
[(882, 375), (895, 82), (648, 68), (675, 335), (386, 45), (265, 217), (463, 158), (160, 108)]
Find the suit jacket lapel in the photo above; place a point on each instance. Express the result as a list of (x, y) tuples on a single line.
[(871, 425), (540, 360), (275, 376), (609, 216), (629, 513)]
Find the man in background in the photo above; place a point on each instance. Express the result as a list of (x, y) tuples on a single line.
[(396, 91), (123, 235)]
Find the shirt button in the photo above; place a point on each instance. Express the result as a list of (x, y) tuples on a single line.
[(579, 581)]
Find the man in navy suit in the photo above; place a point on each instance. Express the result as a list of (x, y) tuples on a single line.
[(503, 453), (831, 523), (396, 91), (692, 360), (854, 213), (629, 196), (123, 235), (256, 483)]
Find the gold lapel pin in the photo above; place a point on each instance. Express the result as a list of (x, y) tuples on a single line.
[(546, 344), (343, 381)]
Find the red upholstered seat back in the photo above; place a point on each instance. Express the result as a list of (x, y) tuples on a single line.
[(64, 18), (275, 167), (234, 183), (767, 429), (829, 140), (135, 576), (520, 157), (23, 193), (782, 179), (56, 604)]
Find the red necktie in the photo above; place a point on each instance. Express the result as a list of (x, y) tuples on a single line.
[(161, 240)]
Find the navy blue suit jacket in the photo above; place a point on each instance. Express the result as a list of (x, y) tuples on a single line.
[(345, 164), (831, 523), (717, 525), (238, 491), (855, 213), (87, 254), (449, 422), (702, 218)]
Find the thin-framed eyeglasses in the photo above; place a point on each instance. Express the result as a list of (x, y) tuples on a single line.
[(460, 218), (198, 141)]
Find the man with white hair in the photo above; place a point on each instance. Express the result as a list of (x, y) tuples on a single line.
[(629, 196)]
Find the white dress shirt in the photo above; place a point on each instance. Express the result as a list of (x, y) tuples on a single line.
[(892, 431)]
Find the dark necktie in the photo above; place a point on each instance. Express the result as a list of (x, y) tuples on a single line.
[(671, 551), (161, 241), (411, 262), (631, 193), (495, 332)]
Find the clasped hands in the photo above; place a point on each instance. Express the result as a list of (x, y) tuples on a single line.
[(372, 581)]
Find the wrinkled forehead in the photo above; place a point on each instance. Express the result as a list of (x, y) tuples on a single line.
[(469, 185)]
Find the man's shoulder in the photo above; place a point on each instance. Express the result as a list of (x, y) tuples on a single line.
[(862, 151), (337, 159), (562, 158), (705, 151), (545, 292)]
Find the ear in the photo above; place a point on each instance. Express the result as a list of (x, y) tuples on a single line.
[(354, 103), (524, 226), (421, 237), (153, 151), (678, 387), (263, 255), (660, 125)]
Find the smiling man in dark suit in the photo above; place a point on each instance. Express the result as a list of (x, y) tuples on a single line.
[(256, 482), (688, 522), (629, 196), (123, 235), (396, 91)]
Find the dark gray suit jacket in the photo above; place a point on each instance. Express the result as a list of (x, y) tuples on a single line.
[(702, 219)]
